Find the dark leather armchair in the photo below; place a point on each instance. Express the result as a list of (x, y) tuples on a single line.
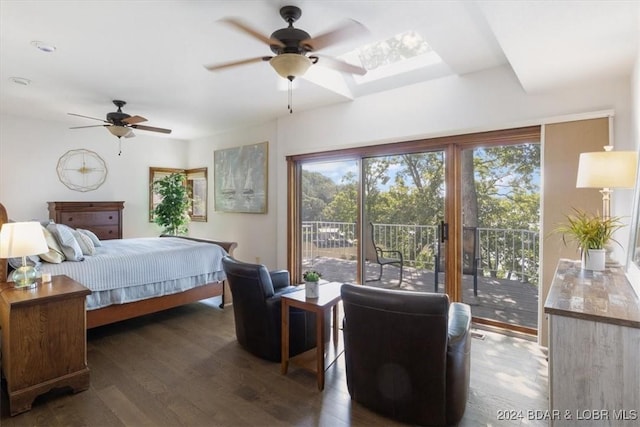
[(257, 311), (407, 354)]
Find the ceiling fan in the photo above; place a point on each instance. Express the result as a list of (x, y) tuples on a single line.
[(121, 124), (292, 46)]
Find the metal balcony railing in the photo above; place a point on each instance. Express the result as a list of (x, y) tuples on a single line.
[(506, 254)]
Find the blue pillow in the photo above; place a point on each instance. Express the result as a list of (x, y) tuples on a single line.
[(92, 236), (85, 242), (64, 235), (32, 260)]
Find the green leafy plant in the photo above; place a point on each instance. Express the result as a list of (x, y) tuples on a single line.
[(172, 212), (589, 231), (311, 276)]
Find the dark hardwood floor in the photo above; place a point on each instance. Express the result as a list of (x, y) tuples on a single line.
[(184, 367)]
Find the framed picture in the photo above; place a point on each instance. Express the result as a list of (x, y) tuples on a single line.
[(240, 179)]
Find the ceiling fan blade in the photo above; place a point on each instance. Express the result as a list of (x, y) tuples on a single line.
[(87, 117), (222, 66), (339, 65), (134, 119), (91, 126), (252, 32), (350, 29), (150, 128)]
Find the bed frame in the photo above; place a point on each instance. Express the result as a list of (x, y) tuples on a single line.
[(117, 312)]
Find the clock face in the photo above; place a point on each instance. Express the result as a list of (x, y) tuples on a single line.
[(81, 170)]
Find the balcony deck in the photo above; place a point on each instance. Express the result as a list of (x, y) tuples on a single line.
[(507, 301)]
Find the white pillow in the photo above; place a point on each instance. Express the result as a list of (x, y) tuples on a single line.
[(55, 255), (85, 243), (64, 235), (92, 236)]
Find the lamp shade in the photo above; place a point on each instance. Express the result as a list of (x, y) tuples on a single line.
[(290, 65), (607, 169), (18, 239), (119, 131)]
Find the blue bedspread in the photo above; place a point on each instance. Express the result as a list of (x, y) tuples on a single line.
[(167, 264)]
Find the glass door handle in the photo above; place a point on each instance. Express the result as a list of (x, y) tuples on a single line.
[(444, 231)]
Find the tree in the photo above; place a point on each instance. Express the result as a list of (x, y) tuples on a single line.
[(500, 189), (319, 190), (344, 206), (172, 213)]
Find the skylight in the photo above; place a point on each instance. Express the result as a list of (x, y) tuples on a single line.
[(398, 54)]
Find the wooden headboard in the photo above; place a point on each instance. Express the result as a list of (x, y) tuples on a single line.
[(3, 262)]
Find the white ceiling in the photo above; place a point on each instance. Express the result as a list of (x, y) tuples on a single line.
[(151, 53)]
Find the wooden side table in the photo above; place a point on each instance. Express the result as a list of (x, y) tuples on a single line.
[(44, 343), (329, 297)]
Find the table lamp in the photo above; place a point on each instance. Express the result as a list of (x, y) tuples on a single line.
[(606, 170), (22, 239)]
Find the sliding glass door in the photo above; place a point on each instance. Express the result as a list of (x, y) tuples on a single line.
[(500, 240), (329, 209), (403, 204), (456, 215)]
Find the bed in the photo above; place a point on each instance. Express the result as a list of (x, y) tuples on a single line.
[(134, 277)]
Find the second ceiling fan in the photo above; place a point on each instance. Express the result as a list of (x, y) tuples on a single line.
[(120, 124), (294, 49)]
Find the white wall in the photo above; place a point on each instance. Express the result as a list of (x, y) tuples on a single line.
[(481, 101), (487, 100), (29, 153), (255, 233)]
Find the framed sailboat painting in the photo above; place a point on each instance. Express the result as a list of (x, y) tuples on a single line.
[(240, 179)]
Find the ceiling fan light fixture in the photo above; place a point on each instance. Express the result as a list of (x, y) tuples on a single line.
[(119, 131), (290, 65)]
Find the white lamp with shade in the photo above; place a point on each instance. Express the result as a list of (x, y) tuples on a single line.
[(22, 239), (606, 170)]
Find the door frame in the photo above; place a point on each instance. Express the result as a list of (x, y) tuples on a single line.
[(452, 147)]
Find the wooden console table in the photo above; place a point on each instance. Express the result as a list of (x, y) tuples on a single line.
[(44, 344), (594, 347)]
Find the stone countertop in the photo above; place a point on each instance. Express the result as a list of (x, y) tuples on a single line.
[(601, 296)]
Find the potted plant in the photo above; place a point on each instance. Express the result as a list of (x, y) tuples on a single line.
[(592, 233), (311, 279), (172, 213)]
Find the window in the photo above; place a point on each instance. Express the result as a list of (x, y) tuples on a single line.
[(197, 187), (398, 54), (196, 183)]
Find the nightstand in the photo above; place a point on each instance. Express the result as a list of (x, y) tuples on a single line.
[(44, 341)]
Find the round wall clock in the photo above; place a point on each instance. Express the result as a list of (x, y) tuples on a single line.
[(81, 170)]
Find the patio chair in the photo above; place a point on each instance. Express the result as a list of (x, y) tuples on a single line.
[(470, 254), (374, 253)]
